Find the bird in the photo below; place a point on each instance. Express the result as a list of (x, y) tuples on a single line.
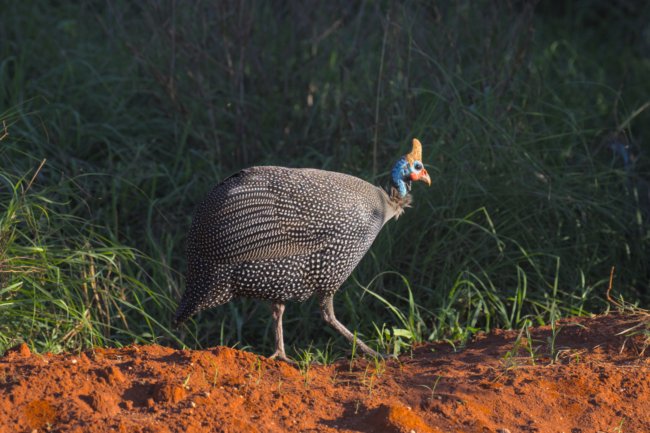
[(285, 234)]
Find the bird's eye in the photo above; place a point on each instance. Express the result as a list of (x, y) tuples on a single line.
[(417, 166)]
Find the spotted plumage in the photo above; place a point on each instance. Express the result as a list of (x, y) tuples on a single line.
[(282, 234)]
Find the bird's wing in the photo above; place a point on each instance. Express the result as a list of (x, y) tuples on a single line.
[(274, 212)]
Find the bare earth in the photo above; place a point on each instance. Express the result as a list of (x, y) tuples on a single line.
[(595, 379)]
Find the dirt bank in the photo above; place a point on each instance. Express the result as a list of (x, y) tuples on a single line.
[(591, 378)]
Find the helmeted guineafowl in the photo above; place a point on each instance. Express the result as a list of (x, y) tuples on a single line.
[(284, 234)]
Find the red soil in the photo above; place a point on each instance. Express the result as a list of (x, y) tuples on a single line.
[(596, 380)]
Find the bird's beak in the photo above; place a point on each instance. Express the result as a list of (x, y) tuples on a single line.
[(422, 175), (425, 177)]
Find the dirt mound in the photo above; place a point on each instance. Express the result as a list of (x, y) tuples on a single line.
[(586, 375)]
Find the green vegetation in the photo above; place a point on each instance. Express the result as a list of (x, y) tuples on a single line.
[(533, 122)]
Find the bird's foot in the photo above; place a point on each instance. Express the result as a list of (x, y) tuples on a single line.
[(282, 357)]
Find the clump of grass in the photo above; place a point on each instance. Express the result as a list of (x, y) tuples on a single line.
[(325, 355), (65, 285), (523, 342), (304, 361), (394, 340), (432, 388)]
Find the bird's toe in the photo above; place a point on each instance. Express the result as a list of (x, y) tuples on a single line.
[(282, 357)]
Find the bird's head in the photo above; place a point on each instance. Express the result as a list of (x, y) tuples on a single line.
[(409, 169)]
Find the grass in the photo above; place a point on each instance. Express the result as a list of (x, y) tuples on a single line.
[(65, 286), (304, 362), (533, 121), (433, 387)]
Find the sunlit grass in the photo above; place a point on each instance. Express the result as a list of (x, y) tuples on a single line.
[(66, 286)]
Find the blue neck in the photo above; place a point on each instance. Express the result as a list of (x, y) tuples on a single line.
[(398, 174)]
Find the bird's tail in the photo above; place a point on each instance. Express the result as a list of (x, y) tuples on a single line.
[(182, 314), (178, 320), (204, 290), (191, 303)]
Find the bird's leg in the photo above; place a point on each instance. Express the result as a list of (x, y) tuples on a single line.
[(278, 310), (327, 309)]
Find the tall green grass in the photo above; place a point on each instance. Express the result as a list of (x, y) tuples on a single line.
[(534, 121), (64, 284)]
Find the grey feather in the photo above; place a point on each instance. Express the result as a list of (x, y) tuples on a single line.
[(281, 234)]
